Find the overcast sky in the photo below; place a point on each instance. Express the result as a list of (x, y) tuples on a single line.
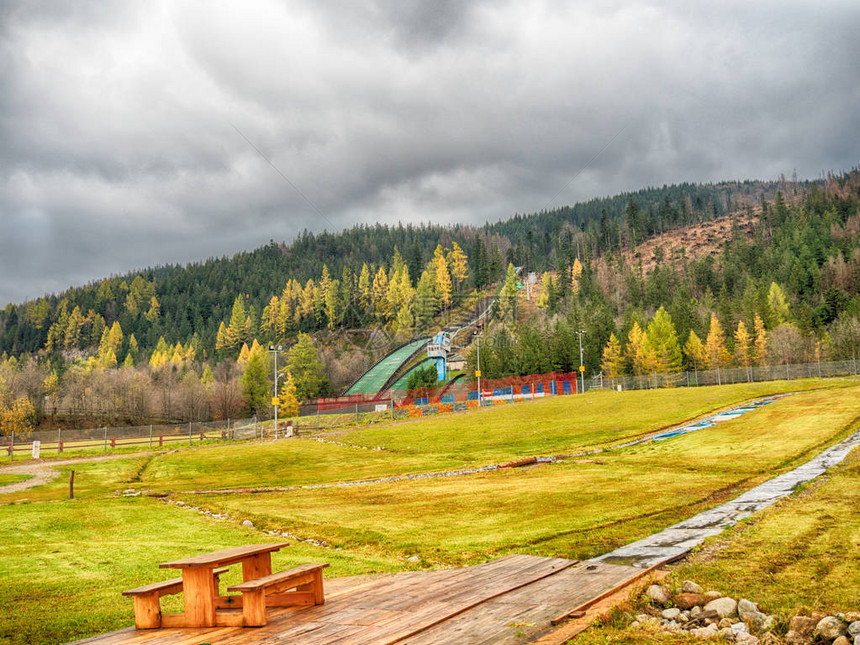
[(128, 129)]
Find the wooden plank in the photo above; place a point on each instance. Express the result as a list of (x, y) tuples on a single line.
[(224, 556), (609, 592), (295, 576), (595, 607), (431, 614), (166, 587), (291, 599)]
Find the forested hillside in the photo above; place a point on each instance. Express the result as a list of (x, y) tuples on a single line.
[(781, 286), (186, 304), (760, 271)]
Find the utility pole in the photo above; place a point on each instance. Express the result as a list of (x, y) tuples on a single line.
[(275, 349), (479, 327), (581, 364)]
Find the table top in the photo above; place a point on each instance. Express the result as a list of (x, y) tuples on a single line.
[(224, 556)]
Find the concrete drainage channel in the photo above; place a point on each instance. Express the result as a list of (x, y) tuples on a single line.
[(676, 541)]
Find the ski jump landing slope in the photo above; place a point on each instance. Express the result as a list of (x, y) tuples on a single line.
[(374, 379)]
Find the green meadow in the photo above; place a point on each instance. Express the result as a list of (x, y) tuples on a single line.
[(64, 563)]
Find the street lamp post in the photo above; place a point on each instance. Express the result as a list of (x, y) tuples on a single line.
[(478, 329), (581, 364), (275, 349)]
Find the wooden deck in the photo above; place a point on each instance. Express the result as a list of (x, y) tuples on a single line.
[(509, 600)]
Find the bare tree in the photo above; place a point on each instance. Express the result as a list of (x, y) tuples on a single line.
[(226, 398)]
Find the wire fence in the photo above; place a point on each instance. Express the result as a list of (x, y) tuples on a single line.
[(726, 376), (102, 440), (368, 409)]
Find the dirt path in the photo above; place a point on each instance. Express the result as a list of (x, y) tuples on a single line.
[(45, 471)]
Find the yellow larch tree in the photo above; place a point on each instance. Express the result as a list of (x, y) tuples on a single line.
[(760, 343), (575, 274), (613, 359), (716, 354)]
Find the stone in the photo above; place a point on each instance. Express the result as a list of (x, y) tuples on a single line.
[(688, 600), (658, 594), (725, 607), (689, 586), (671, 614), (704, 632), (685, 616), (842, 640), (712, 595), (857, 640), (737, 628), (852, 616), (727, 634), (747, 639), (642, 618), (770, 639), (746, 609), (854, 628), (803, 625), (413, 558), (767, 623), (794, 637), (695, 611), (248, 523), (724, 622), (830, 628)]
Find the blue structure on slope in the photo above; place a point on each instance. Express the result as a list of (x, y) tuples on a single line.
[(438, 350)]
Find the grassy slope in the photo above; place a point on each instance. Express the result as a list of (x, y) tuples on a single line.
[(543, 427), (571, 509), (801, 554), (560, 424), (85, 552)]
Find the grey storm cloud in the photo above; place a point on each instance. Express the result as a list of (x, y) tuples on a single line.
[(142, 132)]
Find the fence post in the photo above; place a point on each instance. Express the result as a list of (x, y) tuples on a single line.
[(59, 441), (12, 448), (229, 431), (105, 452), (356, 413), (392, 408), (150, 436)]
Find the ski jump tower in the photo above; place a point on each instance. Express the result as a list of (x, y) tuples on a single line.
[(438, 350)]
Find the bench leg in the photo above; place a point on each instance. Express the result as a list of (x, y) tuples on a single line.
[(319, 596), (316, 586), (147, 612), (254, 608)]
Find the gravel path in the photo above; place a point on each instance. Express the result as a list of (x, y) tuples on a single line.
[(44, 471)]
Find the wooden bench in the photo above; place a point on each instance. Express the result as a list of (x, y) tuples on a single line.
[(272, 591), (147, 604)]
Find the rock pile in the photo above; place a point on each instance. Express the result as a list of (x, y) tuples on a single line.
[(709, 614)]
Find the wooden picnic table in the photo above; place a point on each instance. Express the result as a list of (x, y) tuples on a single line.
[(200, 586)]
